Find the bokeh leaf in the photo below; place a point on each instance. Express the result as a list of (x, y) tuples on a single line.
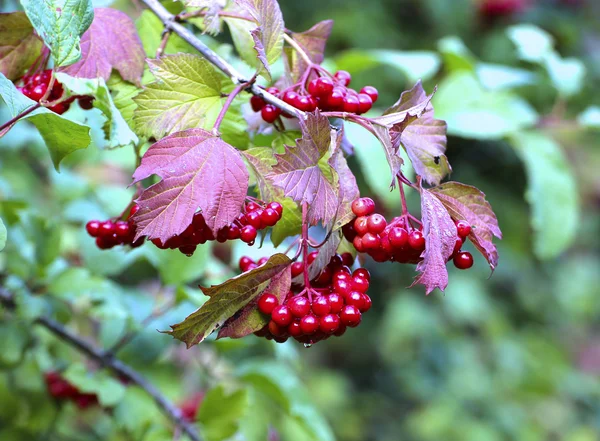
[(20, 46)]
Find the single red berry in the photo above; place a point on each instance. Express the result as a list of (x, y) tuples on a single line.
[(463, 260), (349, 231), (105, 242), (294, 329), (351, 104), (273, 90), (86, 102), (335, 101), (93, 228), (376, 223), (335, 261), (269, 217), (310, 258), (248, 234), (309, 324), (342, 274), (122, 229), (371, 91), (107, 228), (188, 250), (56, 92), (329, 323), (371, 242), (59, 108), (324, 87), (347, 259), (363, 273), (360, 284), (458, 245), (361, 225), (233, 232), (363, 206), (398, 237), (290, 97), (350, 316), (134, 209), (366, 303), (269, 113), (252, 206), (416, 240), (357, 242), (355, 298), (342, 286), (281, 315), (299, 306), (254, 218), (303, 103), (38, 92), (275, 329), (364, 103), (325, 277), (277, 207), (312, 87), (463, 228), (336, 302), (244, 262), (297, 269), (343, 77), (262, 260), (321, 306), (267, 302)]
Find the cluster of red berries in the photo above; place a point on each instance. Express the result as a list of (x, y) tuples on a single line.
[(189, 407), (111, 233), (62, 390), (35, 88), (324, 92), (337, 300), (256, 216), (398, 240)]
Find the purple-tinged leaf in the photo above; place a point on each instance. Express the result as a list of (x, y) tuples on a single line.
[(19, 46), (394, 160), (198, 170), (259, 47), (249, 319), (347, 190), (304, 173), (465, 202), (226, 299), (313, 43), (422, 136), (440, 237), (111, 42)]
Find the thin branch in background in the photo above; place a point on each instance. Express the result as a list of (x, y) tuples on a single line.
[(163, 43)]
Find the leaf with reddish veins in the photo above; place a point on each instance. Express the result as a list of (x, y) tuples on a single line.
[(440, 237), (465, 202), (111, 42), (394, 160), (422, 136), (313, 43), (303, 176), (19, 46), (249, 319), (347, 189), (226, 299), (198, 170)]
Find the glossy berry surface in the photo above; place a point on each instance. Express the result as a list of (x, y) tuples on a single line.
[(267, 303), (463, 260)]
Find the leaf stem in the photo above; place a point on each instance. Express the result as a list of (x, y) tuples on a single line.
[(26, 112), (235, 92)]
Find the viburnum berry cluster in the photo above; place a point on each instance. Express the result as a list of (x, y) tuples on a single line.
[(63, 390), (325, 92), (401, 240), (110, 233), (335, 300)]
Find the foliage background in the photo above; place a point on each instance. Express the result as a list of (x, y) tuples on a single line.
[(515, 356)]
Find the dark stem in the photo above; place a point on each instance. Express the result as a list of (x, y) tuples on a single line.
[(235, 92), (115, 365), (163, 43), (402, 196), (19, 116)]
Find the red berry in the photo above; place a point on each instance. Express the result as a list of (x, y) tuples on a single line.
[(329, 323), (349, 231), (276, 329), (371, 91), (290, 97), (254, 218), (376, 223), (371, 242), (233, 232), (325, 277), (360, 284), (350, 316), (93, 228), (303, 103), (310, 258), (416, 240), (309, 324), (281, 315), (463, 228), (107, 228), (463, 260), (363, 206), (343, 77), (321, 306), (357, 242), (336, 302), (277, 207), (267, 302), (363, 273), (297, 269), (342, 286), (269, 113), (134, 209), (312, 87), (342, 274), (269, 217), (38, 92), (335, 101), (244, 262), (361, 225), (294, 329), (299, 306), (364, 103), (398, 237), (366, 303), (59, 108), (122, 229), (262, 261), (341, 330), (273, 90), (458, 245), (105, 242), (252, 206), (347, 259), (351, 104), (248, 234), (355, 298), (188, 250), (323, 86), (86, 102)]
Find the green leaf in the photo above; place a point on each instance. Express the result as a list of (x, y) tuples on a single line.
[(60, 23), (472, 112), (136, 410), (551, 192), (150, 30), (567, 74), (221, 412), (226, 299), (456, 54), (15, 337), (533, 43), (241, 36), (123, 93), (187, 94), (590, 117), (3, 235), (62, 136), (116, 131), (20, 45), (177, 269), (500, 77), (109, 390)]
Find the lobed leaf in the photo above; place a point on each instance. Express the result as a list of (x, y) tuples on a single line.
[(347, 188), (313, 43), (198, 170), (19, 46), (60, 24), (227, 299), (465, 202), (110, 43)]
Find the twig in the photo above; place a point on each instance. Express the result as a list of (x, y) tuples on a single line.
[(235, 92), (163, 43), (115, 365), (26, 112)]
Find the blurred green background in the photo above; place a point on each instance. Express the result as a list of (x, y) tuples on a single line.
[(512, 356)]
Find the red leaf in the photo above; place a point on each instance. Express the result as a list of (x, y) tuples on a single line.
[(465, 202), (110, 43), (313, 43), (198, 170), (440, 237)]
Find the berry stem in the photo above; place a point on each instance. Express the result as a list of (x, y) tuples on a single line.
[(235, 92), (402, 197), (26, 112)]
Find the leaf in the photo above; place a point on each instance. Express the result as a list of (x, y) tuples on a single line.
[(313, 43), (60, 23), (198, 169), (302, 176), (250, 319), (533, 43), (19, 46), (116, 131), (226, 299), (590, 117), (110, 43), (61, 135), (423, 137), (149, 28), (440, 237), (393, 158), (187, 94), (210, 23), (3, 235), (347, 191), (326, 252), (465, 202), (268, 37), (109, 391), (551, 192), (220, 413), (123, 93)]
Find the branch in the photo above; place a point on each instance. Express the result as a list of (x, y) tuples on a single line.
[(108, 361), (170, 22)]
